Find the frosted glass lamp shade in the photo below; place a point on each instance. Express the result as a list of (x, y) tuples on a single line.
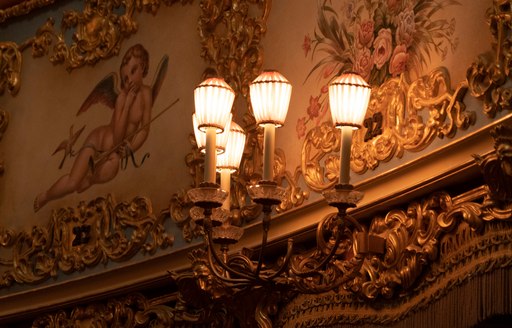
[(231, 158), (270, 96), (213, 100), (220, 141), (349, 95)]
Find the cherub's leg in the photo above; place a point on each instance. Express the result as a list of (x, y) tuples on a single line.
[(69, 182), (103, 172)]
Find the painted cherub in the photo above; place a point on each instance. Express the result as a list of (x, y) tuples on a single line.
[(99, 158)]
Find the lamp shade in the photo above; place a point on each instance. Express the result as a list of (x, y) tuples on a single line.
[(270, 96), (220, 141), (349, 95), (213, 100), (231, 158)]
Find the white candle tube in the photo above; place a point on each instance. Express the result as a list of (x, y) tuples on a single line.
[(346, 143), (210, 155), (225, 184), (269, 140)]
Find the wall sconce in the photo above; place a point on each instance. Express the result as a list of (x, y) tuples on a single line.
[(270, 96)]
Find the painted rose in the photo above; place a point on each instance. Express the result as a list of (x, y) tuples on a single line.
[(382, 47), (328, 70), (324, 89), (365, 34), (364, 63), (406, 27), (394, 6), (306, 45), (314, 107), (398, 62), (301, 127)]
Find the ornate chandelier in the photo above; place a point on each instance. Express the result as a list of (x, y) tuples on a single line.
[(215, 134)]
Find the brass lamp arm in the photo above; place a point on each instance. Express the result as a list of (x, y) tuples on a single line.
[(324, 261), (211, 251), (266, 227)]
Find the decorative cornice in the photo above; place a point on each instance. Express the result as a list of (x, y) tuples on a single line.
[(432, 247)]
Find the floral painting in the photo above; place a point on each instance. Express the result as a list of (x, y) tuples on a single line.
[(377, 39)]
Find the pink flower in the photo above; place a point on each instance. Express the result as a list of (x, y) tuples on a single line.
[(306, 45), (364, 62), (301, 127), (406, 27), (314, 107), (398, 62), (325, 89), (394, 6), (328, 70), (382, 47), (365, 34)]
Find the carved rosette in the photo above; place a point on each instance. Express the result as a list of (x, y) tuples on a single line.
[(10, 67), (411, 117), (81, 237)]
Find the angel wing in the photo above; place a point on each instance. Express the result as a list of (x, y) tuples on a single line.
[(104, 92), (160, 76)]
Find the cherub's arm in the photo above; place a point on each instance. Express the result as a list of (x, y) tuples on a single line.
[(120, 116), (140, 137)]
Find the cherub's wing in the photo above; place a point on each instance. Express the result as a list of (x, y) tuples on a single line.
[(160, 76), (104, 92)]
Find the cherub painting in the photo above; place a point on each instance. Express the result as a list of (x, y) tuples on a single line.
[(99, 158)]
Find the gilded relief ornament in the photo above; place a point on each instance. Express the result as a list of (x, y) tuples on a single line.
[(77, 238), (488, 75), (432, 247), (235, 49), (409, 117), (22, 7), (496, 167), (408, 110), (10, 67)]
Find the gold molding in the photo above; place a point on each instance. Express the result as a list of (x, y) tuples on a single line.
[(235, 49), (403, 106), (487, 76), (22, 7), (433, 246), (10, 67), (85, 236)]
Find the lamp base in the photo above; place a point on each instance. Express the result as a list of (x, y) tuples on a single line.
[(267, 193), (343, 196), (207, 195)]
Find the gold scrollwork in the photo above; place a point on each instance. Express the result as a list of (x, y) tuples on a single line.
[(134, 310), (496, 167), (10, 67), (431, 247), (22, 8), (487, 76), (235, 50), (413, 115), (76, 238)]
